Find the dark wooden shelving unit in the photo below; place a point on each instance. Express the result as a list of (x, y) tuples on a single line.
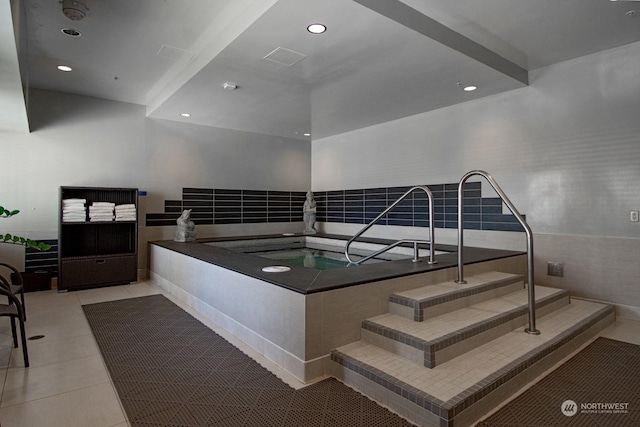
[(92, 254)]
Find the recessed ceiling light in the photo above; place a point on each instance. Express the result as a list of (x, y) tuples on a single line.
[(306, 134), (71, 32), (185, 114), (64, 68), (470, 88), (316, 28)]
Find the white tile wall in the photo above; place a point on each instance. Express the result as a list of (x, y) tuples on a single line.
[(565, 149)]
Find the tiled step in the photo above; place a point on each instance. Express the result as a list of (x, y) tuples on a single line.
[(442, 338), (462, 390), (433, 300)]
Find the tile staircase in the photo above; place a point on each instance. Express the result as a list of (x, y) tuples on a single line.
[(447, 354)]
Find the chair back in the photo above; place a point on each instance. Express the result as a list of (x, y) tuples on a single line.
[(5, 289)]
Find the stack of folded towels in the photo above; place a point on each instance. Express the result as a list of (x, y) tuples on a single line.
[(73, 210), (101, 211), (126, 212)]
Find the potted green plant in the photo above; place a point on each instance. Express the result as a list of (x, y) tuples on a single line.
[(40, 280), (8, 238)]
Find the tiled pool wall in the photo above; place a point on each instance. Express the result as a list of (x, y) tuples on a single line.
[(355, 206), (293, 330)]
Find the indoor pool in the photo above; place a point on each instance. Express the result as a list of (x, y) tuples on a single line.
[(313, 252), (311, 258), (298, 314)]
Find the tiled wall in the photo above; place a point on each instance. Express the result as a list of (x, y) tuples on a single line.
[(220, 206), (360, 206), (363, 205), (35, 260)]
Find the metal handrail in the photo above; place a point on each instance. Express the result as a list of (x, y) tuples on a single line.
[(532, 309), (431, 242)]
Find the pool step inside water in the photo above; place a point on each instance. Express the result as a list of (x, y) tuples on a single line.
[(447, 354)]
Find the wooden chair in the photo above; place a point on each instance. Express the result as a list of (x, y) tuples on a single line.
[(13, 309), (16, 284)]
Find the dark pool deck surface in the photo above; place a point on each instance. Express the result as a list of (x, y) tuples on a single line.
[(308, 280)]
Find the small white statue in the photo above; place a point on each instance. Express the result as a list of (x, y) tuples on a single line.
[(309, 214), (186, 231)]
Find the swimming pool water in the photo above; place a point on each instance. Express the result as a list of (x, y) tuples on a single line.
[(316, 253), (310, 258)]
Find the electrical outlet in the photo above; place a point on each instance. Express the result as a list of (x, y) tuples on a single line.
[(555, 268), (633, 216)]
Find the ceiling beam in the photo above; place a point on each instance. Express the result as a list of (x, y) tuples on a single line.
[(417, 21), (236, 17), (13, 108)]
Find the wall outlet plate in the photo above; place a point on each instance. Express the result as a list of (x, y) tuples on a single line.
[(555, 268), (633, 216)]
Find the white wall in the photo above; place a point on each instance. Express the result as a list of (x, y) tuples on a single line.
[(566, 150), (84, 141)]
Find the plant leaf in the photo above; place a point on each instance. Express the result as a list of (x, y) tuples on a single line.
[(43, 246)]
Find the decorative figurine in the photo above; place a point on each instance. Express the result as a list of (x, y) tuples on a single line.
[(309, 214), (186, 231)]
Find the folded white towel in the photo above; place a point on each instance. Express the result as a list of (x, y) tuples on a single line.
[(125, 206), (104, 204), (78, 217), (74, 211), (74, 201), (100, 209), (100, 215), (101, 218), (74, 219)]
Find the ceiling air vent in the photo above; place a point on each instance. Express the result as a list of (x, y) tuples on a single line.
[(285, 56), (174, 53)]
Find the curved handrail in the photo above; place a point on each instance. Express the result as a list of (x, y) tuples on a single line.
[(431, 242), (532, 309)]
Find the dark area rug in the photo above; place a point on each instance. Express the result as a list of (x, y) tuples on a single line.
[(599, 386), (169, 369)]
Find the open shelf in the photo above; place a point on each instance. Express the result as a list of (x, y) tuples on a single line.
[(96, 253)]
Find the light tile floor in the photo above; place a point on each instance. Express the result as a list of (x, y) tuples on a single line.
[(67, 383)]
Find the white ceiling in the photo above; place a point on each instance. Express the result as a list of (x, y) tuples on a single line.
[(379, 59)]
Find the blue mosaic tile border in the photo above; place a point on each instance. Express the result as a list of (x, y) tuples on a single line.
[(359, 206), (35, 260), (230, 206)]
